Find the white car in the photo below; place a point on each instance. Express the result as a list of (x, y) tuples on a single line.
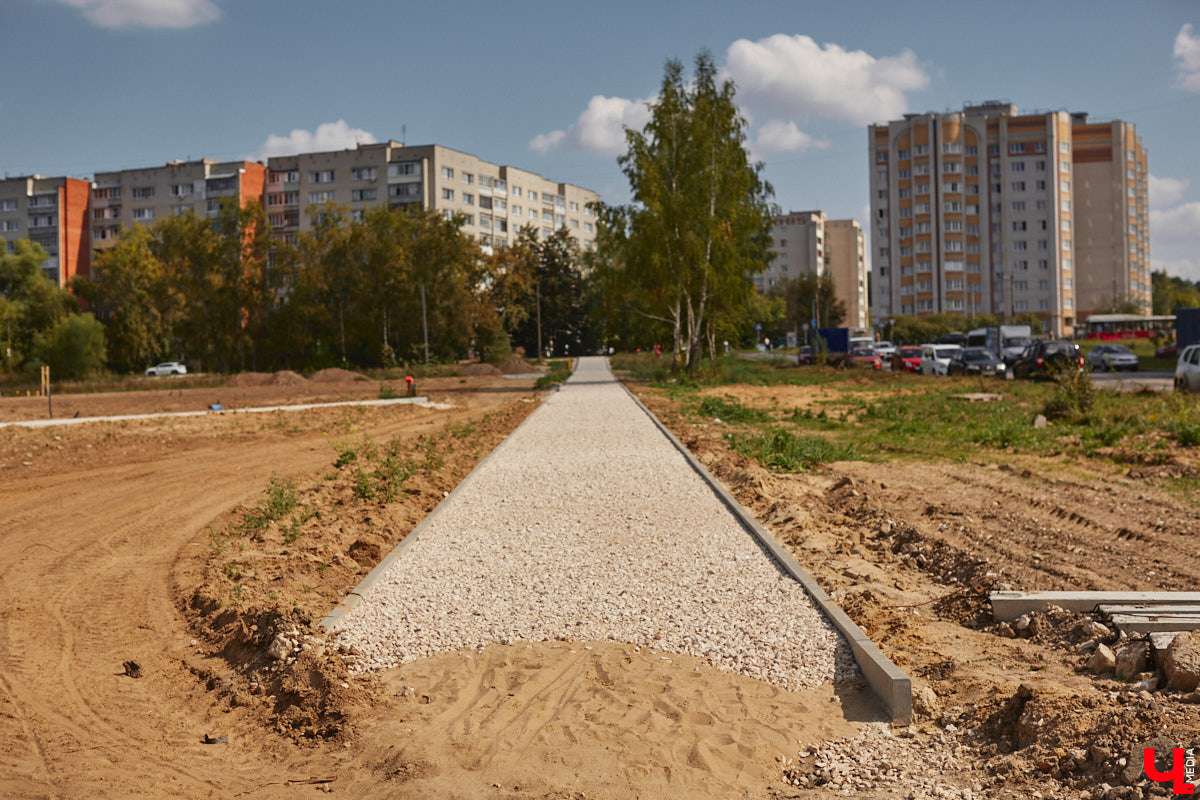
[(1187, 369), (167, 368), (885, 349), (936, 358)]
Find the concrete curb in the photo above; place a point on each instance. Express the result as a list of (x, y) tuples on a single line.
[(330, 621), (49, 423), (887, 681)]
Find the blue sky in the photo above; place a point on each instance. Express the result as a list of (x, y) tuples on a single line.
[(94, 85)]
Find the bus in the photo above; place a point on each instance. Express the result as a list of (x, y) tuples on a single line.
[(1126, 326)]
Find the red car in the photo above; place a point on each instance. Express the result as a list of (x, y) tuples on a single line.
[(907, 359), (865, 357)]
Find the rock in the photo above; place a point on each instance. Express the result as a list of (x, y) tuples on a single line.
[(1181, 662), (1005, 630), (210, 739), (280, 647), (1100, 755), (1147, 682), (1162, 747), (1039, 422), (1132, 658), (1090, 629), (1103, 660), (1022, 623), (925, 701)]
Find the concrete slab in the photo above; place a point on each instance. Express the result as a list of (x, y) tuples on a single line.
[(1008, 606), (1131, 624)]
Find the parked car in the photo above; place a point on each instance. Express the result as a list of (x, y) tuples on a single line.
[(907, 359), (167, 368), (885, 349), (865, 357), (805, 355), (1167, 351), (1112, 356), (953, 337), (1187, 369), (975, 361), (1043, 359), (936, 357)]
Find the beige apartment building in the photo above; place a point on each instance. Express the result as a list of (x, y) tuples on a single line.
[(804, 242), (131, 197), (51, 212), (496, 200), (982, 212)]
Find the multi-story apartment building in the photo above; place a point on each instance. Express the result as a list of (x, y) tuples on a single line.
[(142, 196), (980, 211), (496, 200), (51, 212), (804, 242)]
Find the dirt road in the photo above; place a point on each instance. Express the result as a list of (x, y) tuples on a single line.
[(92, 520)]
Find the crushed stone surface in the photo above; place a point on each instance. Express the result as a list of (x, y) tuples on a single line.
[(587, 524)]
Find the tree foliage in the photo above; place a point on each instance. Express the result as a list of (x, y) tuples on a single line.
[(698, 230), (73, 347), (30, 303), (811, 296), (1170, 293)]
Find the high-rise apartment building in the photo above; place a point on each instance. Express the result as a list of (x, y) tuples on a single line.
[(804, 242), (51, 212), (143, 196), (496, 200), (983, 212)]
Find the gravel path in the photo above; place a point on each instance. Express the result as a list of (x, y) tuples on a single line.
[(586, 524)]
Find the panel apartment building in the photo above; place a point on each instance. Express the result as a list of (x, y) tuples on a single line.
[(988, 211), (804, 242), (143, 196), (497, 201), (51, 212)]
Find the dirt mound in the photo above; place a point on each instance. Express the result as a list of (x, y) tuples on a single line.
[(245, 379), (515, 365), (285, 377), (336, 375), (478, 369)]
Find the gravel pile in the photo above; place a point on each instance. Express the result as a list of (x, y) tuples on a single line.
[(586, 524)]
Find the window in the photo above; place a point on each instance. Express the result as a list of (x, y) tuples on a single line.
[(922, 188), (905, 250), (973, 209), (881, 156), (516, 190), (954, 225), (973, 188), (363, 174), (362, 195), (1064, 166), (1064, 147), (404, 191), (532, 196), (1067, 283), (533, 214), (972, 150), (954, 303), (904, 234), (924, 247), (317, 197), (952, 206), (1018, 186), (517, 211), (993, 149), (181, 190), (1018, 205), (1039, 147), (1043, 264), (468, 198), (143, 192), (1018, 225), (403, 169), (921, 149), (447, 194), (1020, 246), (1066, 245), (903, 174), (448, 172), (8, 205), (500, 186), (485, 202), (1042, 224), (906, 213), (43, 201), (574, 206), (575, 224), (921, 169), (587, 226), (10, 225), (1065, 204), (1066, 225), (321, 176), (486, 182), (951, 186), (1043, 244), (973, 249), (356, 215), (905, 193), (143, 214), (1040, 165), (1021, 265), (903, 154), (547, 216), (1017, 166), (973, 229), (468, 178), (42, 221), (1041, 186), (954, 245), (1043, 284), (924, 286), (1020, 305), (485, 221), (923, 227), (972, 169), (951, 147)]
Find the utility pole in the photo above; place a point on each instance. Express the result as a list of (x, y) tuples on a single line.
[(538, 289), (425, 323)]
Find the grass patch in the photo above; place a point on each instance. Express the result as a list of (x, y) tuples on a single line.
[(728, 409), (560, 370), (782, 450)]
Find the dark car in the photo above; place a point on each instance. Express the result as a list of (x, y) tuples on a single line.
[(1167, 351), (805, 356), (1045, 359), (975, 361), (953, 337), (907, 359)]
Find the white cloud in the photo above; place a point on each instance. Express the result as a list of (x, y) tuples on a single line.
[(328, 136), (1166, 192), (600, 128), (794, 74), (1187, 58), (147, 13), (778, 136), (1175, 240)]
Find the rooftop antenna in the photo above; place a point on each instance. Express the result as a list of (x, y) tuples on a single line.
[(404, 134)]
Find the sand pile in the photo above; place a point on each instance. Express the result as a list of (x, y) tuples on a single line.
[(286, 377), (246, 379), (478, 369), (336, 375), (515, 365)]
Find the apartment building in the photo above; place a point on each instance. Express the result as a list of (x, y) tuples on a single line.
[(805, 242), (51, 212), (978, 211), (496, 200), (143, 196)]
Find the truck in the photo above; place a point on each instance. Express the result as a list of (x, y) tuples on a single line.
[(1187, 327), (1006, 342), (837, 343)]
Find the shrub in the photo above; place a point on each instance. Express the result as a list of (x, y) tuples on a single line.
[(73, 348)]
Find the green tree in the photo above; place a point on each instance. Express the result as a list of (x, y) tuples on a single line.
[(811, 294), (73, 347), (130, 294), (1170, 293), (32, 303), (699, 228), (557, 306)]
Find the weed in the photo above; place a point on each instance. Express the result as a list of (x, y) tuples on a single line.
[(1074, 394), (729, 409), (386, 392), (783, 451), (233, 570)]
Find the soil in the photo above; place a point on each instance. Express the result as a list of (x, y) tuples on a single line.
[(139, 612), (911, 550)]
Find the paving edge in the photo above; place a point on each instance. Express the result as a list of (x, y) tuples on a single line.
[(887, 681), (330, 621)]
